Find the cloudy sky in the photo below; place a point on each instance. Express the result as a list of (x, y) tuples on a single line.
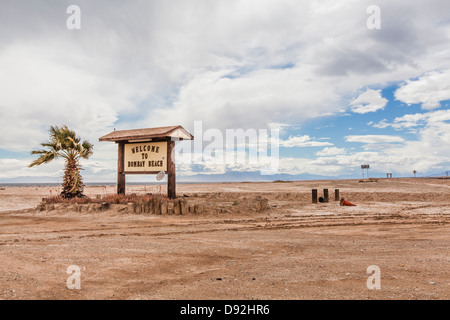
[(342, 94)]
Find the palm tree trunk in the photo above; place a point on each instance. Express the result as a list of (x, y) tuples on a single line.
[(73, 183)]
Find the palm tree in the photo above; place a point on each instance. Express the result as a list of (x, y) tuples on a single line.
[(64, 143)]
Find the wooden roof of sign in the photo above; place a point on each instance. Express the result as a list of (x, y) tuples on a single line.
[(160, 133)]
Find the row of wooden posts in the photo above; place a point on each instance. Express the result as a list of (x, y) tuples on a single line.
[(326, 197), (158, 206)]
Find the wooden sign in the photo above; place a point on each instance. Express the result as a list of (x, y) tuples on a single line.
[(147, 151), (146, 157)]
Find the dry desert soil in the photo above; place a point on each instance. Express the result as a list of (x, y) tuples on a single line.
[(293, 250)]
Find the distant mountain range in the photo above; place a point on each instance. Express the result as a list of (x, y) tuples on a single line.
[(226, 177), (249, 177), (31, 180)]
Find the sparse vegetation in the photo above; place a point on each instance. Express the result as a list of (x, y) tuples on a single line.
[(369, 180)]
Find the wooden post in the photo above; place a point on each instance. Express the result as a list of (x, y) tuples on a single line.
[(325, 195), (171, 185), (157, 205), (336, 194), (121, 169), (314, 195), (164, 207), (183, 207), (176, 207)]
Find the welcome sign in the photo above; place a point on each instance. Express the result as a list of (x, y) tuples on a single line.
[(145, 157), (147, 151)]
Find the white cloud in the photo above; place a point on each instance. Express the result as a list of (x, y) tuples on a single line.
[(385, 153), (368, 101), (429, 90), (429, 153), (408, 121), (330, 57), (380, 146), (330, 151), (38, 91), (232, 64), (373, 138), (302, 141), (255, 100), (10, 168)]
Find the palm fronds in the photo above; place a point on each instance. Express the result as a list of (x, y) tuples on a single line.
[(64, 143)]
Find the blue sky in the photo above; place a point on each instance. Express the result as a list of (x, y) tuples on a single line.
[(342, 94)]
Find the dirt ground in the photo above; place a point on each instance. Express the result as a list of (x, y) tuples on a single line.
[(294, 250)]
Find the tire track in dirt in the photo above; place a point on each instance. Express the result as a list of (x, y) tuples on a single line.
[(260, 228), (248, 225)]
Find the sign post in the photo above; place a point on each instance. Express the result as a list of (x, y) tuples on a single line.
[(171, 181), (120, 169), (147, 151)]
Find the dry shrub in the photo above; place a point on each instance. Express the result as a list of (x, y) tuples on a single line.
[(110, 198), (125, 198), (60, 199)]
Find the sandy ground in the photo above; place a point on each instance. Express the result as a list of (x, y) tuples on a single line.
[(294, 250)]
